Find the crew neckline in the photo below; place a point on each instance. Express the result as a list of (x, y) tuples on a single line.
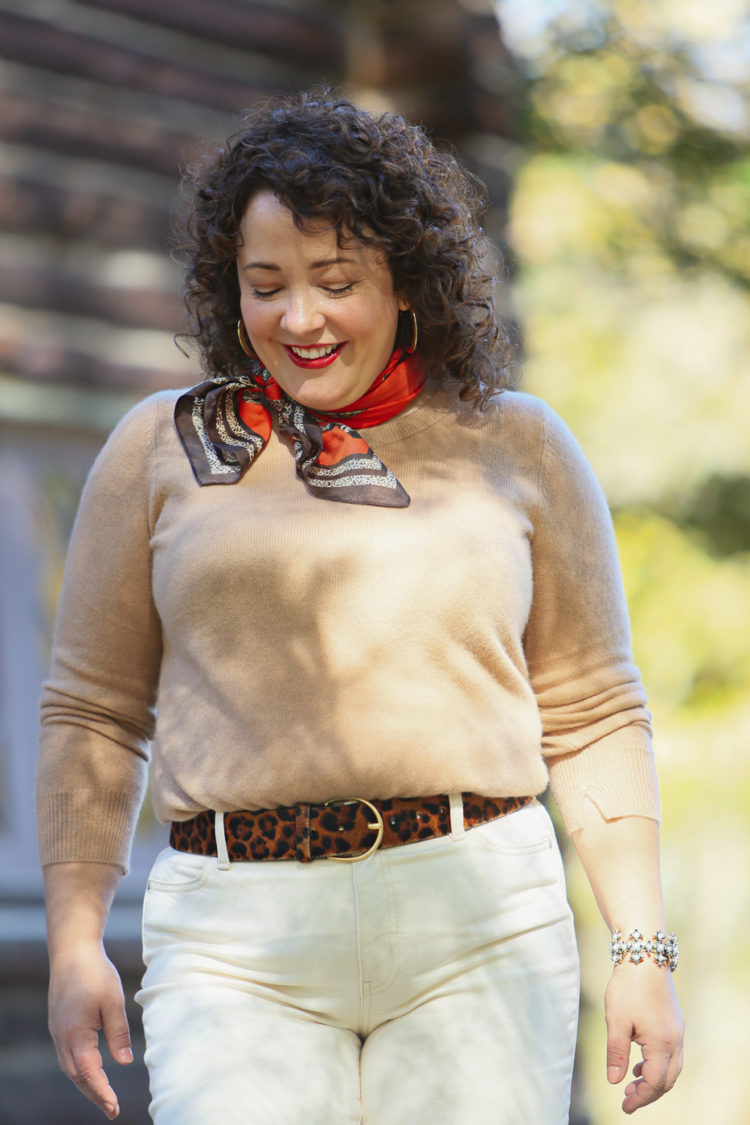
[(431, 406)]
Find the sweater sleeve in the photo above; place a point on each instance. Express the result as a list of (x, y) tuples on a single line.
[(98, 705), (596, 728)]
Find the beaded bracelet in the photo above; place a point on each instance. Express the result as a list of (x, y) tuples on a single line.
[(661, 949)]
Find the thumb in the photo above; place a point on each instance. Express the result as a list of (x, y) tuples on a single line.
[(618, 1055), (117, 1033)]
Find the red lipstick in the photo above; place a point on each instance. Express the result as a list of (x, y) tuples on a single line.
[(318, 361)]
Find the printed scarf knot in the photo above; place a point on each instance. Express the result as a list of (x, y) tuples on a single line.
[(224, 423)]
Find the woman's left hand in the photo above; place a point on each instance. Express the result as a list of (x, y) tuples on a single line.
[(641, 1007)]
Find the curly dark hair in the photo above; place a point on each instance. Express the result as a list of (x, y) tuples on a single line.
[(376, 178)]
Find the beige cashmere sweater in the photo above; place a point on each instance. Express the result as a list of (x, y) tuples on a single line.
[(264, 647)]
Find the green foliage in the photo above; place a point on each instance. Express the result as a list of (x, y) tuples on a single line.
[(691, 642), (630, 224), (719, 512), (657, 94)]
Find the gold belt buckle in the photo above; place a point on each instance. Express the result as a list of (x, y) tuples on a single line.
[(377, 825)]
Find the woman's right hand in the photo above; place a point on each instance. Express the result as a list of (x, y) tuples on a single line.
[(85, 993), (86, 997)]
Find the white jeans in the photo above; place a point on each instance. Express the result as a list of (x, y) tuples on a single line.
[(430, 984)]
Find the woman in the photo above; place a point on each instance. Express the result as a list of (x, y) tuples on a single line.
[(388, 680)]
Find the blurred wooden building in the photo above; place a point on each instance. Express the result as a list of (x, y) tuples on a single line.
[(101, 102)]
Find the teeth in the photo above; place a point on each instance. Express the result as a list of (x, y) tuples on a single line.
[(314, 353)]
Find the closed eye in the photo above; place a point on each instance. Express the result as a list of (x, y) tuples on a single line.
[(336, 290), (332, 290)]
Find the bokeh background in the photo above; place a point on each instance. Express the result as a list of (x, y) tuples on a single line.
[(614, 137)]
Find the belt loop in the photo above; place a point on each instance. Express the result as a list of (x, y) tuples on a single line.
[(221, 842), (458, 828)]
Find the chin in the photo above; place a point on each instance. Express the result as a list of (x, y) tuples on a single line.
[(317, 397), (323, 402)]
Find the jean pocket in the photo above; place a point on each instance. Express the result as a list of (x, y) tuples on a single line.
[(524, 832), (178, 872)]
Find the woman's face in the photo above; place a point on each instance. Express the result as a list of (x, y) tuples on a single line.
[(321, 318)]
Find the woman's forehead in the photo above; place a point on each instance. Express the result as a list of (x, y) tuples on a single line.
[(269, 221), (266, 210)]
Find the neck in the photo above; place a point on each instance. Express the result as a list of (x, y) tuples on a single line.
[(393, 391)]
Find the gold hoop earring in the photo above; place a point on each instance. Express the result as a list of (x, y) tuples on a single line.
[(411, 347), (244, 342)]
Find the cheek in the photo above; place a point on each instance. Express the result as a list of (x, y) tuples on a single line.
[(258, 320), (376, 320), (387, 324)]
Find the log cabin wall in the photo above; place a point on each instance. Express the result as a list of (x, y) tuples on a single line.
[(101, 102)]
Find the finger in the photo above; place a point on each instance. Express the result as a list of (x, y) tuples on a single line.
[(675, 1067), (83, 1066), (651, 1083), (656, 1074)]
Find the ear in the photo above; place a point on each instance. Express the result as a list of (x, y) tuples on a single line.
[(403, 304)]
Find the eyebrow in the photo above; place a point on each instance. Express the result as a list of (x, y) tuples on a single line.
[(319, 265)]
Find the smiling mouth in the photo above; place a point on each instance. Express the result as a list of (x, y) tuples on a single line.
[(318, 355)]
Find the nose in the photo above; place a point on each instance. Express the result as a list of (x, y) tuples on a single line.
[(302, 313)]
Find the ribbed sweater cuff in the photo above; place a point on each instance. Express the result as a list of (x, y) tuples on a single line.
[(619, 776), (82, 826)]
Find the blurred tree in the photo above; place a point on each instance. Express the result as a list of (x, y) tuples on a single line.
[(630, 225)]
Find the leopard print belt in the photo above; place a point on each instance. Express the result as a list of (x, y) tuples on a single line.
[(345, 830)]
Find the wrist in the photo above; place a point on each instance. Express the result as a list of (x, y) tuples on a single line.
[(643, 911), (69, 945), (78, 897)]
